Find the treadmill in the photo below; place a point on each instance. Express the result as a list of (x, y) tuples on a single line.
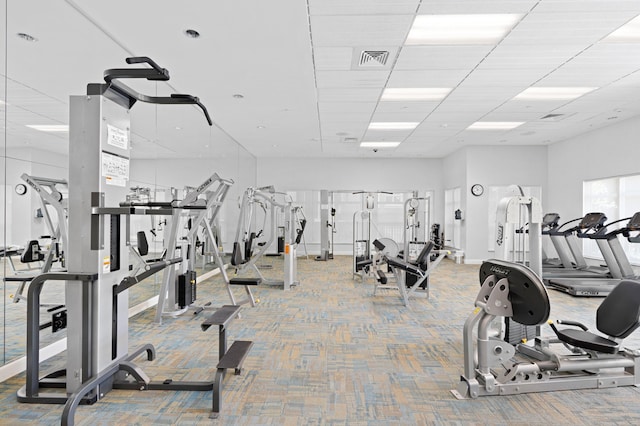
[(600, 287), (550, 223), (588, 225)]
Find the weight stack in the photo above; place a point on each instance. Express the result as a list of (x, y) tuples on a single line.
[(186, 288)]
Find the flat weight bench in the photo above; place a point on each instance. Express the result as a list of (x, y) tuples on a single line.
[(231, 358)]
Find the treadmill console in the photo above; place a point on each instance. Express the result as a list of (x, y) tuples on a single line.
[(551, 220), (634, 223), (592, 220)]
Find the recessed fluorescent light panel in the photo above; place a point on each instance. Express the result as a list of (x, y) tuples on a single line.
[(415, 94), (553, 93), (398, 125), (461, 29), (495, 125), (629, 32), (49, 127), (379, 144)]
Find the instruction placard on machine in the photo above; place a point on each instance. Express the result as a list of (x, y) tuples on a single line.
[(117, 137), (115, 169)]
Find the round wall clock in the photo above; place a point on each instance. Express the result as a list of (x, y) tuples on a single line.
[(477, 189), (21, 189)]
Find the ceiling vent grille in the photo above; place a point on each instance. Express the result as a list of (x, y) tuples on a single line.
[(373, 58), (349, 140)]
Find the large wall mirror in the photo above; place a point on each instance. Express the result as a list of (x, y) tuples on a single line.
[(173, 148)]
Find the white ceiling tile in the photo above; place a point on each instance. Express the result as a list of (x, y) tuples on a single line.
[(440, 57), (346, 107), (413, 107), (386, 116), (383, 30), (351, 128), (474, 6), (580, 27), (386, 135), (600, 6), (427, 78), (349, 95), (484, 77), (351, 79), (333, 58), (345, 117), (363, 7)]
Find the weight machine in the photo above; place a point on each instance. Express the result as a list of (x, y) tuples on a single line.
[(588, 360), (203, 219), (96, 290), (327, 228), (197, 204), (51, 193), (511, 215), (362, 223), (243, 258), (512, 243)]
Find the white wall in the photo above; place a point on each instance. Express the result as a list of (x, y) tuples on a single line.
[(454, 172), (491, 166), (384, 174), (602, 153), (354, 173)]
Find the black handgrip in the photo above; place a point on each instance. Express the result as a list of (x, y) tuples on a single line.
[(146, 60), (195, 100), (130, 96)]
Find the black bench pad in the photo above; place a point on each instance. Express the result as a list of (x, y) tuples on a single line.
[(405, 266), (235, 354), (220, 317), (245, 281)]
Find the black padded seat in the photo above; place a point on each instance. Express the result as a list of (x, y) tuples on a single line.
[(422, 261), (618, 316), (405, 266), (32, 253), (245, 281), (587, 340)]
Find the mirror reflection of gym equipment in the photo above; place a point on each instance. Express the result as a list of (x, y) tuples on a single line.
[(47, 252)]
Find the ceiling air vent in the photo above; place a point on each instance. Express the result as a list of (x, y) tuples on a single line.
[(373, 58), (350, 140)]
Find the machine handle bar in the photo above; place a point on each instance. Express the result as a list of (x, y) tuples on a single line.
[(155, 73)]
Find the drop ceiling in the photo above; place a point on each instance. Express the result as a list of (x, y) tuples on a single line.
[(282, 78)]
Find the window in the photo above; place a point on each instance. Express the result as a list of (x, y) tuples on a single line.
[(618, 198)]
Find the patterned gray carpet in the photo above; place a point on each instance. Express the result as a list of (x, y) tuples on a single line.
[(328, 352)]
